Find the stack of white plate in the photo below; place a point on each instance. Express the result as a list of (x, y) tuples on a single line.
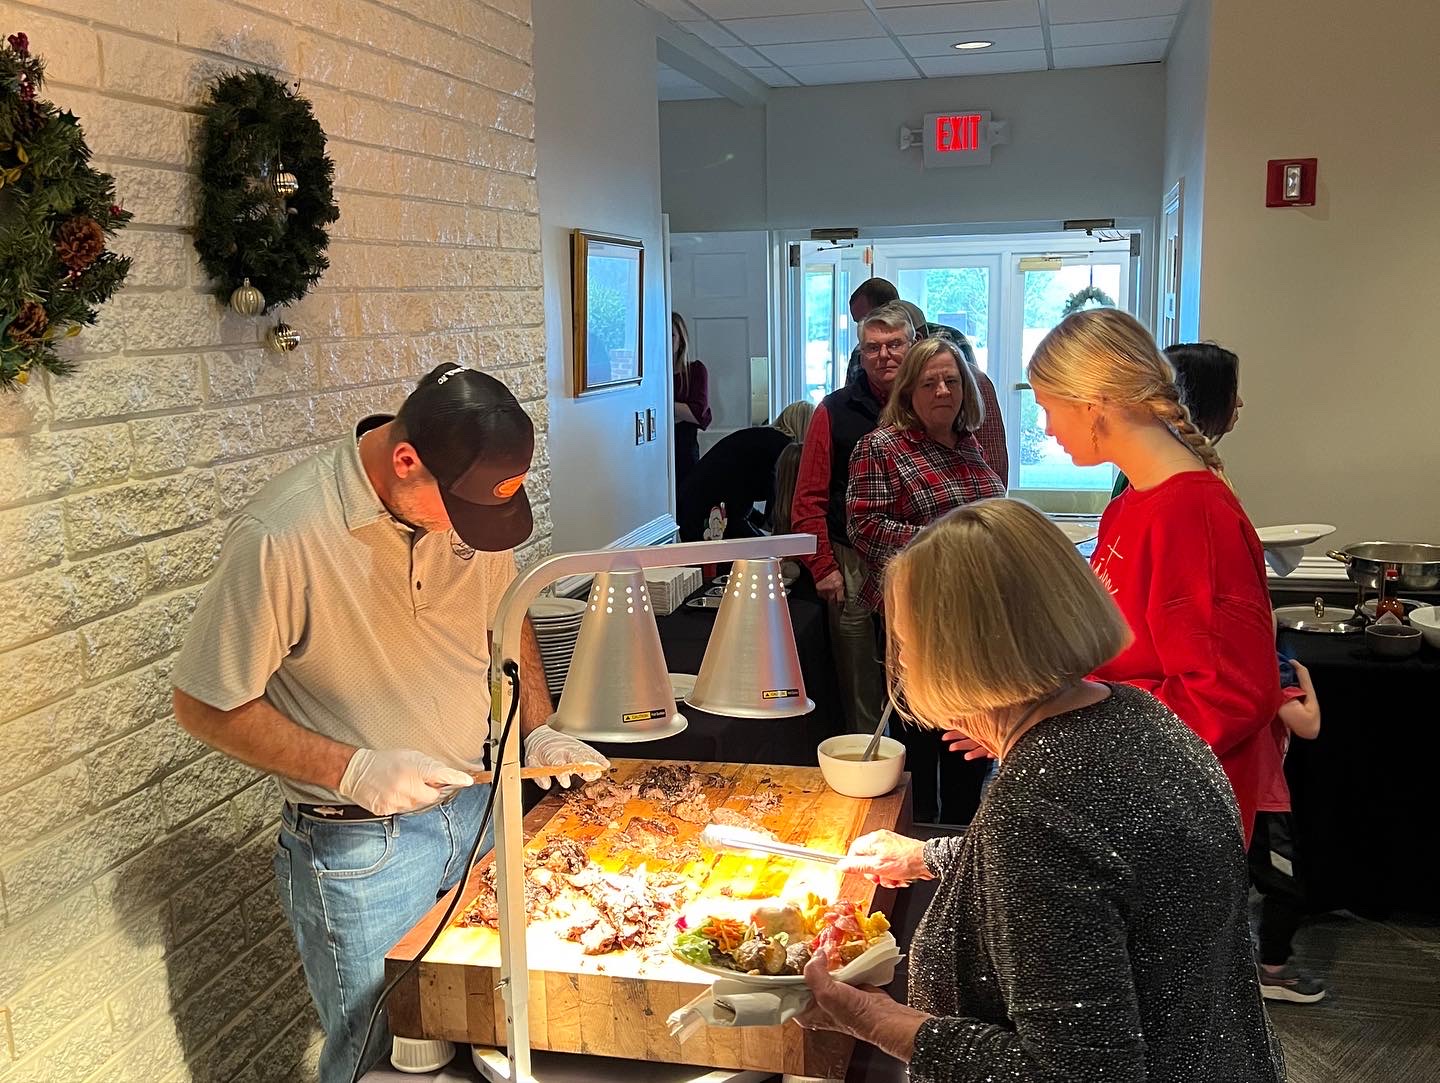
[(557, 626)]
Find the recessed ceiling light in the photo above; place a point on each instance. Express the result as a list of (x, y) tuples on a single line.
[(972, 45)]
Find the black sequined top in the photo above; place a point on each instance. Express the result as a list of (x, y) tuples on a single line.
[(1091, 926)]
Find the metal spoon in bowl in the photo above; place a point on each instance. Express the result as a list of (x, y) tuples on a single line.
[(874, 745)]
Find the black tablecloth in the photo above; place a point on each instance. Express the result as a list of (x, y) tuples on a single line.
[(720, 739), (1364, 790)]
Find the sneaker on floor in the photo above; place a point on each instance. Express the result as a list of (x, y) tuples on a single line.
[(1291, 984)]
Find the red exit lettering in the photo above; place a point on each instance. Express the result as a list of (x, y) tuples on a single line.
[(957, 133)]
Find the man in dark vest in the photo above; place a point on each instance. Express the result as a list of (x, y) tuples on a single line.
[(840, 421)]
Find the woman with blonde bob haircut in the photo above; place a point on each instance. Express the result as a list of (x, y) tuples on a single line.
[(1092, 923), (922, 461), (1175, 549)]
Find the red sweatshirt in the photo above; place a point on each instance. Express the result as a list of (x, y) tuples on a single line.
[(1187, 570)]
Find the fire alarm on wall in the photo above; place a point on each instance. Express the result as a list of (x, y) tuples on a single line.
[(1290, 182)]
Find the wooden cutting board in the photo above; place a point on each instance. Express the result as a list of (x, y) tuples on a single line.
[(617, 1004)]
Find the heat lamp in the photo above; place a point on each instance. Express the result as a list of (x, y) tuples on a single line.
[(754, 635)]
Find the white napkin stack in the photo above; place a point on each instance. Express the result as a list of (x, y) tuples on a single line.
[(669, 587), (759, 1001)]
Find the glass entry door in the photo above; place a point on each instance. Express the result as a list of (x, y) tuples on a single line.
[(1048, 289), (824, 276), (959, 291)]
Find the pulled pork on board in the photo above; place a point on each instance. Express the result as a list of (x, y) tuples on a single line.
[(601, 911)]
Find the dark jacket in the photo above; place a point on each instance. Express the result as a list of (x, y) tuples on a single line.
[(739, 472), (854, 413)]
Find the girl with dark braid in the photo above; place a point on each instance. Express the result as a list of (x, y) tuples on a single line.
[(1175, 549)]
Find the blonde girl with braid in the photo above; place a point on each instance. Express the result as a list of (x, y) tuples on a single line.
[(1175, 549)]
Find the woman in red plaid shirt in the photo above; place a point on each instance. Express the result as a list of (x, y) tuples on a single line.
[(922, 462)]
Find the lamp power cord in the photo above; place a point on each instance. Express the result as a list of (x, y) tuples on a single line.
[(512, 671)]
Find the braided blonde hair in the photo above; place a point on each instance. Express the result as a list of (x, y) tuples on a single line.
[(1106, 355)]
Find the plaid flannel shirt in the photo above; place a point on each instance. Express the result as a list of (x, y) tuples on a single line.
[(901, 481)]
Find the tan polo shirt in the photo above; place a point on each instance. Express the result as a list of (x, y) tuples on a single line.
[(346, 620)]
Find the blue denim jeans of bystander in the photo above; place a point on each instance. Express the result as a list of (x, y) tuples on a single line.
[(351, 890)]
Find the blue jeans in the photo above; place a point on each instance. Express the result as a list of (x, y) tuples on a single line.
[(351, 890)]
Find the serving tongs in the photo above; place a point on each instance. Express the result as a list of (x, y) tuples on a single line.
[(722, 837)]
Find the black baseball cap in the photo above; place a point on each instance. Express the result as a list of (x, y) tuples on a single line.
[(477, 441)]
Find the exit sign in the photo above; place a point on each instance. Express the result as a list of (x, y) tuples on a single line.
[(959, 138)]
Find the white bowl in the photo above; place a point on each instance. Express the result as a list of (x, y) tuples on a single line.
[(1427, 619), (854, 778), (419, 1055)]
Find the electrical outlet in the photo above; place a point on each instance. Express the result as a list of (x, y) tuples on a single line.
[(650, 425), (639, 428)]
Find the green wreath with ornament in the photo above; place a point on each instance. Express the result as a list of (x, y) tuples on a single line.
[(57, 216), (267, 195), (1089, 297)]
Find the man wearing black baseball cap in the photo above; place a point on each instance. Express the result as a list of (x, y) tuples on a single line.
[(343, 646)]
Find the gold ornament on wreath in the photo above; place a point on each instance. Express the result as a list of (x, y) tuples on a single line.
[(283, 338), (267, 197), (247, 300)]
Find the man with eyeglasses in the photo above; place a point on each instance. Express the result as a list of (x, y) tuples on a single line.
[(844, 418)]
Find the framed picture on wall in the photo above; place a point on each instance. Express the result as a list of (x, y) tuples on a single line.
[(608, 302)]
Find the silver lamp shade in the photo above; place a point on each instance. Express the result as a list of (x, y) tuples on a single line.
[(751, 669), (618, 689)]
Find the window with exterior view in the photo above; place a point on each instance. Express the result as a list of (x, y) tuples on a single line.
[(1048, 297), (957, 297)]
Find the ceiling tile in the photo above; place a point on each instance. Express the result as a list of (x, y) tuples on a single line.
[(1110, 31), (869, 71), (674, 9), (774, 76), (789, 28), (833, 52), (1006, 41), (711, 33), (743, 55), (750, 9), (945, 67), (976, 15), (1084, 11), (1096, 56)]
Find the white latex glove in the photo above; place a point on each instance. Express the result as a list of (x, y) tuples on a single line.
[(548, 746), (391, 780)]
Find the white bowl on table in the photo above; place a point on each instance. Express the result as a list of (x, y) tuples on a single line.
[(854, 777), (1427, 619)]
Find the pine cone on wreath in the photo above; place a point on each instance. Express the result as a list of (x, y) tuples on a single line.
[(29, 323), (79, 242)]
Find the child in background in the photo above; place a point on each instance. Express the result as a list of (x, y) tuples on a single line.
[(1272, 854)]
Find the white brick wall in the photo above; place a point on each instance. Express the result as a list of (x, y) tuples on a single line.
[(141, 938)]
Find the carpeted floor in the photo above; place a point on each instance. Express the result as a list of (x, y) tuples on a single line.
[(1380, 1022)]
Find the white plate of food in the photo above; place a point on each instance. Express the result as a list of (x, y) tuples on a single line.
[(767, 942), (1281, 537)]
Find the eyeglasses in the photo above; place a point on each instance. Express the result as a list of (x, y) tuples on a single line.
[(895, 345)]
